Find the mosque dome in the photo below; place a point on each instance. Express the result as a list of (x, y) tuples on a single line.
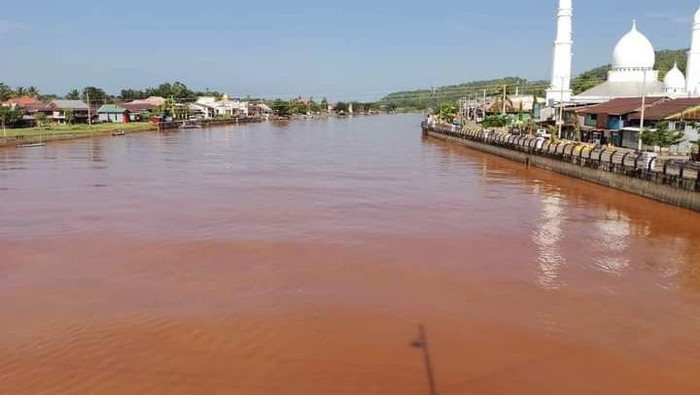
[(634, 51), (697, 16), (674, 80)]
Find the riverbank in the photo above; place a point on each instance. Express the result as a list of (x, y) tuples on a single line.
[(13, 137), (630, 172), (69, 132)]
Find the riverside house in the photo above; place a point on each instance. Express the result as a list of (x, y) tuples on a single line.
[(611, 120), (113, 113), (57, 109), (681, 115)]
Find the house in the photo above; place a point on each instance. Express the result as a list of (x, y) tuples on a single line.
[(681, 115), (202, 111), (138, 110), (23, 102), (225, 107), (611, 120), (260, 110), (113, 113), (517, 104), (77, 109)]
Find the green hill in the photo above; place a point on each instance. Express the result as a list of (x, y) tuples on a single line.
[(424, 98)]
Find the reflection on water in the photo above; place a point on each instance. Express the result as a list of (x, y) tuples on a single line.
[(614, 233), (296, 258), (547, 237)]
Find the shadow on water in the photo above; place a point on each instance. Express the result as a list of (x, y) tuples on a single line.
[(422, 343)]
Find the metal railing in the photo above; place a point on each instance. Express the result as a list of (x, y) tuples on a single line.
[(642, 165)]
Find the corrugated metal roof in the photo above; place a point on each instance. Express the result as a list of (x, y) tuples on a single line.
[(621, 106), (69, 104), (111, 109), (138, 107), (670, 108)]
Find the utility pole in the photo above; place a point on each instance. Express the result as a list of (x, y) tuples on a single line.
[(87, 98), (641, 118), (422, 343), (561, 108), (505, 87)]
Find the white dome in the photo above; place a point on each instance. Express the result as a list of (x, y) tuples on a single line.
[(634, 51), (674, 79), (697, 16)]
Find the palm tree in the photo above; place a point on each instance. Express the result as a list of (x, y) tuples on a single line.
[(33, 91), (20, 91), (498, 105)]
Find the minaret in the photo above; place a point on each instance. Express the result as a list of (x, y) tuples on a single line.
[(560, 87), (693, 69)]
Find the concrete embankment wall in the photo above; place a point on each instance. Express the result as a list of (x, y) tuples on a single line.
[(662, 193)]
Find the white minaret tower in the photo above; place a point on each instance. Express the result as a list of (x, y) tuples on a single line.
[(560, 88), (693, 69)]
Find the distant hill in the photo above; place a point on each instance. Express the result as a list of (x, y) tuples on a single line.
[(424, 98)]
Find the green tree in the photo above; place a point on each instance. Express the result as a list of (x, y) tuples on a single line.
[(176, 90), (95, 95), (342, 107), (70, 115), (447, 112), (41, 119), (281, 107), (73, 94), (9, 116), (33, 91), (315, 107), (300, 108), (132, 94), (495, 121), (5, 92), (324, 105), (662, 137)]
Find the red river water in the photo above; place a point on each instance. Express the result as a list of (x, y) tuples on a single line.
[(300, 258)]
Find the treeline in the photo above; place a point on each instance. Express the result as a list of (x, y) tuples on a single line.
[(431, 98), (284, 108), (176, 90)]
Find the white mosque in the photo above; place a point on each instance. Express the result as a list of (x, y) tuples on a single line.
[(632, 73)]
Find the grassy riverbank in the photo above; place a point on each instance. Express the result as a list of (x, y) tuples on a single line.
[(80, 129), (12, 137)]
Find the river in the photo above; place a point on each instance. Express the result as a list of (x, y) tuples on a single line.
[(300, 258)]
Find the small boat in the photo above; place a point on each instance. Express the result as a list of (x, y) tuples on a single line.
[(190, 124), (30, 145), (118, 133)]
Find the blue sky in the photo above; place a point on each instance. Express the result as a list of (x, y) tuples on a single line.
[(354, 49)]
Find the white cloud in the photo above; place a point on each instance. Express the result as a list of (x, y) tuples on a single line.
[(9, 26)]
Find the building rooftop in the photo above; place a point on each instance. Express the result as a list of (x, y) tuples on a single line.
[(69, 104), (670, 108), (621, 106), (111, 109), (613, 89)]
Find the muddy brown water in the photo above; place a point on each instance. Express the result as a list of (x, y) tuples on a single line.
[(299, 259)]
